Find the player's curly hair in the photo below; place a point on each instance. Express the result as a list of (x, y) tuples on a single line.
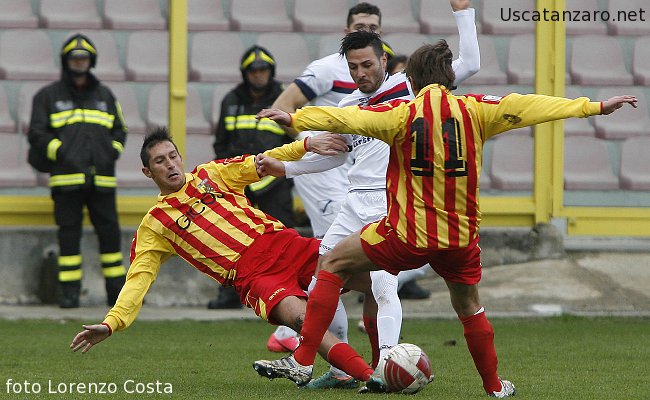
[(158, 135), (431, 63), (360, 40)]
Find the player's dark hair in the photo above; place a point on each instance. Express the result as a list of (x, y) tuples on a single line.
[(158, 135), (363, 8), (431, 63), (394, 61), (360, 40)]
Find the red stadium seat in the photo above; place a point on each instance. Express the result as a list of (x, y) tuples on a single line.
[(290, 51), (592, 26), (17, 14), (215, 56), (512, 162), (24, 105), (598, 60), (147, 56), (128, 168), (198, 150), (397, 16), (521, 59), (577, 126), (626, 19), (260, 16), (129, 14), (490, 72), (320, 16), (206, 15), (435, 18), (108, 66), (158, 110), (7, 124), (27, 54), (14, 170), (219, 93), (498, 17), (626, 122), (635, 163), (329, 44), (641, 61), (406, 43), (587, 165), (126, 95), (70, 14)]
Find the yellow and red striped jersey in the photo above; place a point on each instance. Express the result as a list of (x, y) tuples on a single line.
[(209, 223), (436, 153)]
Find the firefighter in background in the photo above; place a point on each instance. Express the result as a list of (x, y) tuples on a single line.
[(239, 132), (78, 127)]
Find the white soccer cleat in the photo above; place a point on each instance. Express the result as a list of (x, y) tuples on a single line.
[(507, 390), (286, 367)]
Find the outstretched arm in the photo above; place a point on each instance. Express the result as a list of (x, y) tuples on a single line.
[(616, 102), (468, 62)]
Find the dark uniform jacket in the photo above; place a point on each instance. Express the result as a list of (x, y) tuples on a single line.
[(80, 132)]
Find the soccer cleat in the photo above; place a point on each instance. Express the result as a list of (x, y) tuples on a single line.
[(285, 345), (331, 381), (507, 390), (286, 367), (374, 385)]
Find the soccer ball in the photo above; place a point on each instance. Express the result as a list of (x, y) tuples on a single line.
[(405, 369)]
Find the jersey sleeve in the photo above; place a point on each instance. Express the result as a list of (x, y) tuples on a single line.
[(468, 62), (316, 80), (313, 162), (383, 121), (499, 114), (148, 251)]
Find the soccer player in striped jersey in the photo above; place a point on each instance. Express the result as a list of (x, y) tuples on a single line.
[(205, 218), (366, 199), (432, 188)]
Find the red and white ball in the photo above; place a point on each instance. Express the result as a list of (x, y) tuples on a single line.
[(405, 369)]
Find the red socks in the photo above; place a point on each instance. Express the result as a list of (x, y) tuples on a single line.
[(373, 335), (321, 308), (343, 357), (480, 341)]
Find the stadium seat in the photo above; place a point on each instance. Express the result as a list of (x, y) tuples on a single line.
[(17, 14), (290, 51), (521, 59), (590, 27), (217, 96), (406, 43), (320, 16), (27, 54), (490, 72), (497, 17), (128, 168), (260, 16), (14, 170), (435, 19), (7, 124), (70, 14), (635, 163), (511, 162), (577, 126), (329, 44), (108, 66), (587, 165), (147, 56), (126, 95), (598, 60), (641, 61), (24, 105), (206, 15), (215, 57), (627, 121), (198, 150), (129, 14), (158, 110), (627, 23), (397, 16)]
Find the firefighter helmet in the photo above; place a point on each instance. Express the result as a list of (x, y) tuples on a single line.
[(79, 45)]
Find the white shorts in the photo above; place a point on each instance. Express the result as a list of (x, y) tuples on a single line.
[(359, 209), (322, 195)]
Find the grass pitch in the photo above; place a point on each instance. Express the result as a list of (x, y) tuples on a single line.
[(546, 358)]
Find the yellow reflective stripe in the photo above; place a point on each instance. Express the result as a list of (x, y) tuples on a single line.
[(67, 179), (70, 276), (69, 117), (114, 272), (262, 306), (70, 261), (52, 148), (250, 122), (108, 258), (105, 181), (118, 146), (87, 46), (388, 50), (266, 124), (118, 107), (262, 183), (267, 58), (79, 42)]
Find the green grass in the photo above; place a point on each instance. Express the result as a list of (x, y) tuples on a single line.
[(550, 358)]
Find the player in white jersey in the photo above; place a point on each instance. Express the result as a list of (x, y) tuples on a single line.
[(366, 200), (324, 82)]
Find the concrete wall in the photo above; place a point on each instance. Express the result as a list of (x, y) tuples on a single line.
[(23, 251)]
